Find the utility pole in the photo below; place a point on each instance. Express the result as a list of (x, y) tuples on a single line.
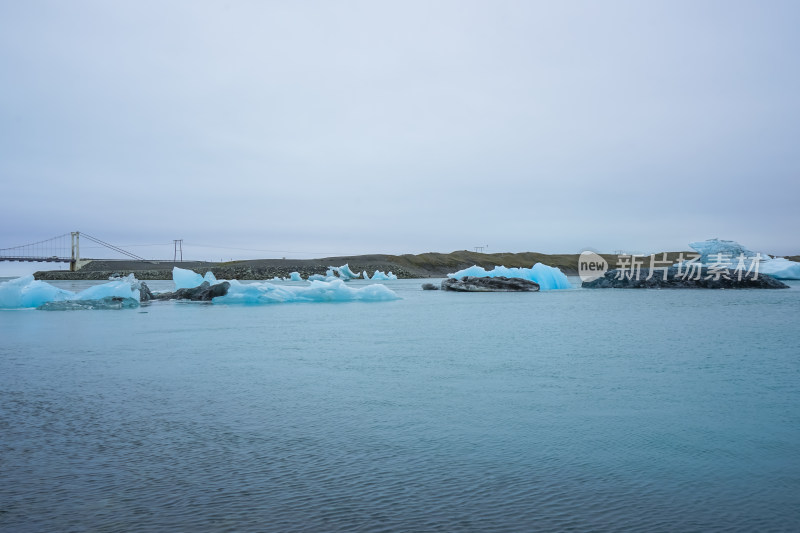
[(178, 250)]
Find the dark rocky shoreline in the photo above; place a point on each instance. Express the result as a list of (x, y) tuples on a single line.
[(239, 272), (407, 266)]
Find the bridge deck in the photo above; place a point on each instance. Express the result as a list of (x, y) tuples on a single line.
[(38, 259), (61, 249)]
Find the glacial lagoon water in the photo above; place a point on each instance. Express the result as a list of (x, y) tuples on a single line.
[(638, 410)]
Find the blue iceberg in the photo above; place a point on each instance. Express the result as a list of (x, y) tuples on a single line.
[(733, 255), (315, 291), (547, 277), (188, 279), (380, 275), (711, 249), (780, 268), (343, 272), (26, 292), (124, 293), (332, 289)]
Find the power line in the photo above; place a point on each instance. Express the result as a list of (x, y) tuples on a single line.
[(258, 249), (141, 245)]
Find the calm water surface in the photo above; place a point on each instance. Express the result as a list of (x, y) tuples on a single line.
[(574, 410)]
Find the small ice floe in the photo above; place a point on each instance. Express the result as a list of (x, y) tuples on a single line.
[(383, 276)]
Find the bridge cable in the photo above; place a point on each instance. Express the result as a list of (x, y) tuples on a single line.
[(112, 247), (52, 247)]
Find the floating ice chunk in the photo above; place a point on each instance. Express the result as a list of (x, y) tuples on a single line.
[(295, 276), (320, 277), (731, 254), (28, 292), (546, 276), (710, 250), (316, 291), (383, 276), (127, 287), (185, 279), (780, 268), (188, 279), (343, 272), (108, 302), (365, 275)]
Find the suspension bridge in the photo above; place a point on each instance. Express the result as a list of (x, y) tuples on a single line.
[(64, 248)]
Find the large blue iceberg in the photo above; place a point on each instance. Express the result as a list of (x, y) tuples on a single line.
[(780, 268), (731, 254), (547, 277), (709, 250), (26, 292)]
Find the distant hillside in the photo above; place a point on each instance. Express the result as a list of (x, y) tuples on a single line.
[(427, 265), (438, 265)]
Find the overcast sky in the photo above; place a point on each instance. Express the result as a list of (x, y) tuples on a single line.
[(305, 129)]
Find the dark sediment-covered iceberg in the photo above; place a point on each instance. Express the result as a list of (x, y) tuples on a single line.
[(679, 277), (489, 284), (108, 302), (205, 292)]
